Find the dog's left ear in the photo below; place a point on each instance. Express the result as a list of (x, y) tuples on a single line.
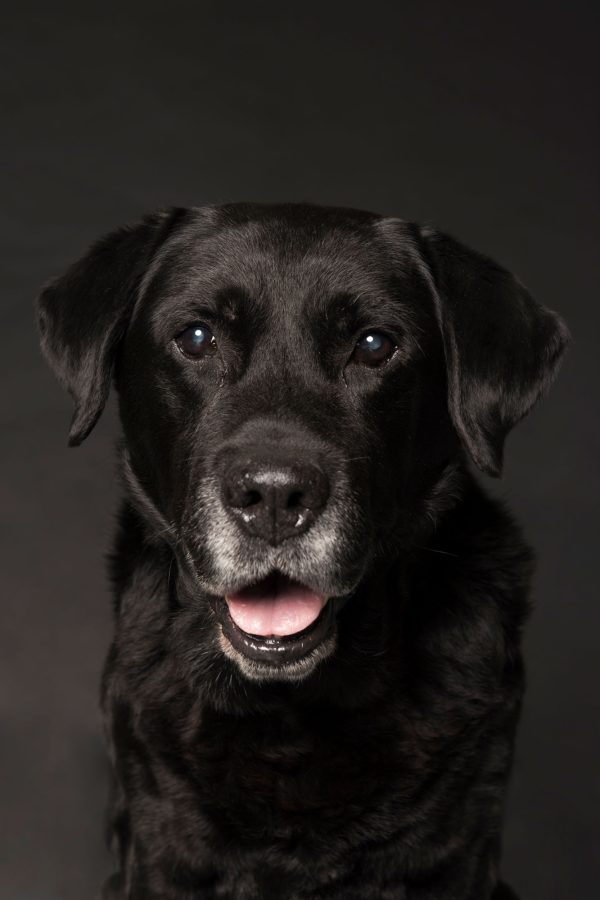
[(83, 314), (502, 348)]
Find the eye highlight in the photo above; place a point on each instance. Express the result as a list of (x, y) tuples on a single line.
[(373, 349), (196, 341)]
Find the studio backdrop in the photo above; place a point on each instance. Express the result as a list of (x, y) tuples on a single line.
[(479, 118)]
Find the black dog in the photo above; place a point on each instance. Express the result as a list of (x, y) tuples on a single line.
[(316, 675)]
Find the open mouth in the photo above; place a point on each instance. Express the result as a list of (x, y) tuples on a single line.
[(276, 620)]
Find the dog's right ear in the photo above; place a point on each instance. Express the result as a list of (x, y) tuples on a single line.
[(83, 314)]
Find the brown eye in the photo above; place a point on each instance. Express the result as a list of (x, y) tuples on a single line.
[(196, 341), (373, 349)]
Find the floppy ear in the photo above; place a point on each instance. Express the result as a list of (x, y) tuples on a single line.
[(83, 314), (502, 348)]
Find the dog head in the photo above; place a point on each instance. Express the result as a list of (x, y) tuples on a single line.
[(297, 387)]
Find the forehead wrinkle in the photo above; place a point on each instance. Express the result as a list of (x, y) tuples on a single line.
[(384, 306), (317, 272), (289, 247), (205, 261), (283, 266), (192, 292)]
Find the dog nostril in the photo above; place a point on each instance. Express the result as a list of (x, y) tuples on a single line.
[(294, 500), (241, 495), (250, 498)]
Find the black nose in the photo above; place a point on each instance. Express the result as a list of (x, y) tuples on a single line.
[(275, 500)]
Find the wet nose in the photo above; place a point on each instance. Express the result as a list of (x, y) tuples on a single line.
[(275, 500)]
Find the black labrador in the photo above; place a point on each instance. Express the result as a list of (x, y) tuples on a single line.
[(316, 672)]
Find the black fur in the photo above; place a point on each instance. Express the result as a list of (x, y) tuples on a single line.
[(379, 770)]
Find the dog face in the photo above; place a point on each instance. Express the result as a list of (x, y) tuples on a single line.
[(297, 387)]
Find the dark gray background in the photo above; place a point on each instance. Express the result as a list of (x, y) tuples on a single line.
[(481, 118)]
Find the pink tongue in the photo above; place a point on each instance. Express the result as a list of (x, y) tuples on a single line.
[(275, 607)]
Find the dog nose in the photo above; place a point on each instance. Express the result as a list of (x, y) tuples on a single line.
[(275, 501)]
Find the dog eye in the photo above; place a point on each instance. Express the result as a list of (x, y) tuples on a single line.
[(373, 349), (196, 341)]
